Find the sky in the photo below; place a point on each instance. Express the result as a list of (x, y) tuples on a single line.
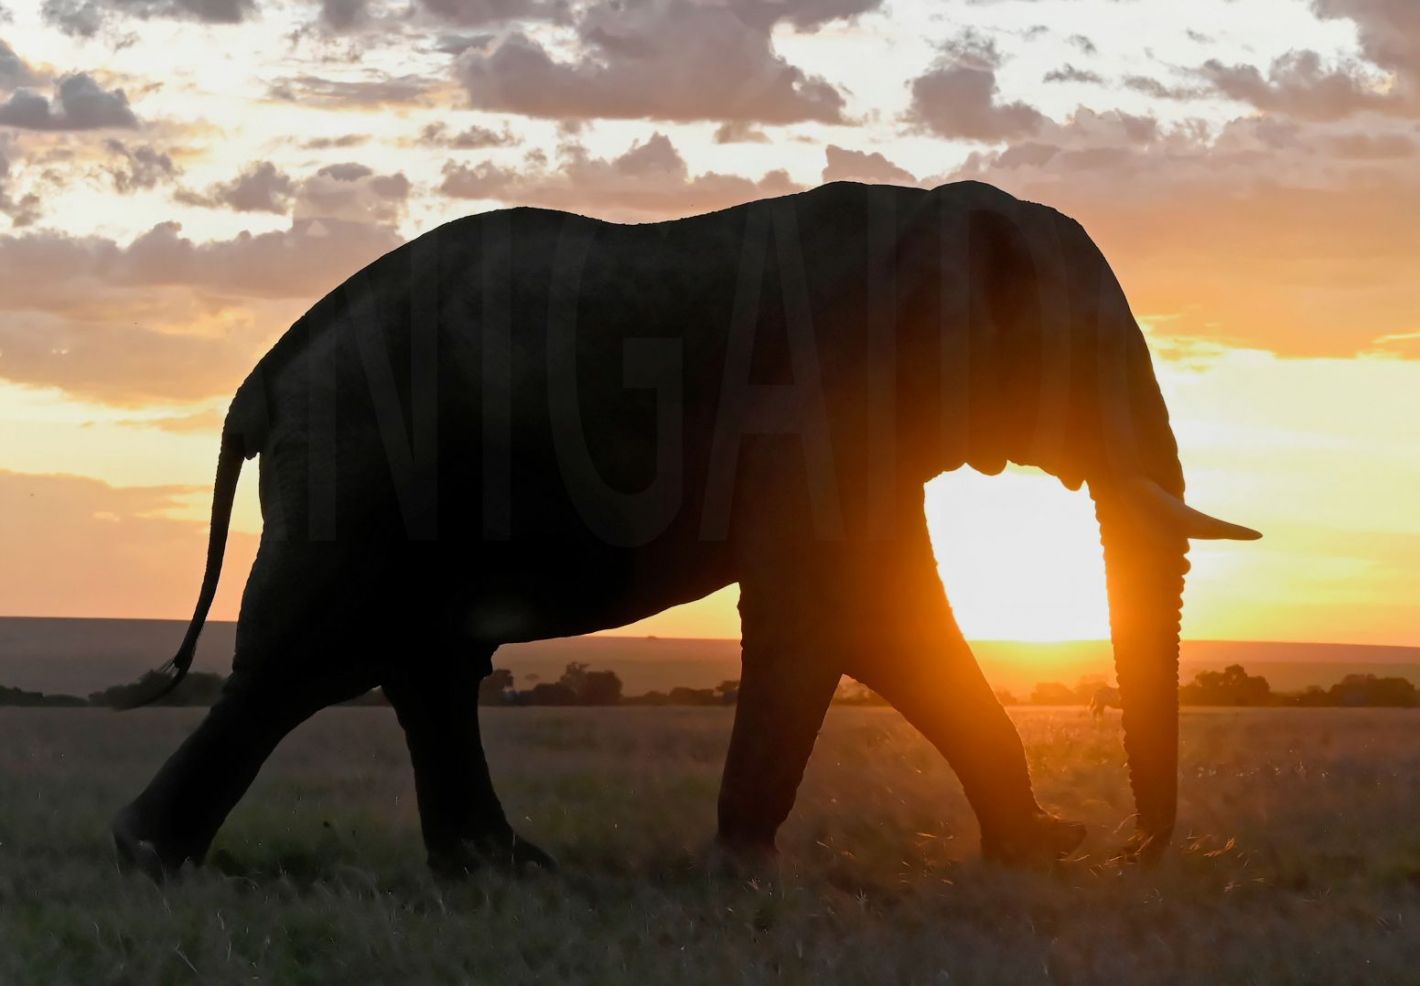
[(181, 179)]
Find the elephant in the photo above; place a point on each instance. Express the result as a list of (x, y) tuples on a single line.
[(527, 424), (1102, 700)]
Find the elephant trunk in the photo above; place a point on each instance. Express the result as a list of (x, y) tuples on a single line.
[(1137, 484), (1145, 566), (1145, 530)]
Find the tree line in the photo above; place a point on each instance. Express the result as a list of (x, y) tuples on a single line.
[(580, 685), (1233, 686)]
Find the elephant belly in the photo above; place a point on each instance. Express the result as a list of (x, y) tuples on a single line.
[(519, 593)]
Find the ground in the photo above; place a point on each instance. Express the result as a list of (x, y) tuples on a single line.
[(1302, 862)]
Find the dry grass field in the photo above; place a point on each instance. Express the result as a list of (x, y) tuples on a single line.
[(1301, 862)]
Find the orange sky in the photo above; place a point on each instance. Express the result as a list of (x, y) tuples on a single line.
[(176, 191)]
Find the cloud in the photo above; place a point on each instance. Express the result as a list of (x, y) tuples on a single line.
[(340, 16), (1069, 73), (138, 167), (1159, 90), (676, 61), (120, 363), (472, 138), (84, 18), (478, 13), (163, 317), (63, 274), (806, 15), (1290, 236), (261, 187), (80, 18), (22, 210), (13, 70), (80, 547), (1388, 31), (207, 421), (349, 192), (1372, 147), (649, 181), (849, 165), (79, 103), (1399, 344), (958, 96), (353, 193), (378, 90), (1298, 86), (343, 15), (343, 141), (739, 132)]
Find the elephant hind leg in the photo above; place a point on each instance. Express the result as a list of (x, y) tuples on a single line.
[(176, 817), (306, 639), (460, 816)]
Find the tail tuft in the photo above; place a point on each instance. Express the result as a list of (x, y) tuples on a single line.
[(154, 686)]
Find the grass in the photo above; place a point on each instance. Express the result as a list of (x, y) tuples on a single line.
[(1301, 862)]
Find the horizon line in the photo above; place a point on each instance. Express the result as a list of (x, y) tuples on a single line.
[(613, 635)]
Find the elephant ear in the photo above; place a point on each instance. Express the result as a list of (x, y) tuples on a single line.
[(982, 274)]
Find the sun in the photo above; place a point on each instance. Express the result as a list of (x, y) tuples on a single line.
[(1019, 555)]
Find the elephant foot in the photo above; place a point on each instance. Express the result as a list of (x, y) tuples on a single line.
[(138, 853), (742, 859), (1144, 848), (1043, 840), (505, 851)]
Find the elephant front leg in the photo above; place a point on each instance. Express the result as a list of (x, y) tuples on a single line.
[(460, 816), (877, 612), (908, 648), (786, 685)]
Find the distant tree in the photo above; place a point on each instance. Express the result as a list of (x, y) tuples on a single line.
[(649, 698), (1367, 689), (599, 688), (573, 674), (1053, 693), (681, 695), (497, 688), (590, 687), (1314, 696), (1231, 686), (548, 693), (198, 688), (1006, 697), (729, 691), (20, 697)]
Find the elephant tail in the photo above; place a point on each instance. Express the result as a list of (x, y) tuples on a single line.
[(159, 683)]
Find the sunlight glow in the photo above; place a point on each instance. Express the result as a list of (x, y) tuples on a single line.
[(1020, 556)]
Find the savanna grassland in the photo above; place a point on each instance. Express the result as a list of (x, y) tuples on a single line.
[(1302, 861)]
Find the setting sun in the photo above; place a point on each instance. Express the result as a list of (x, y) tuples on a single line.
[(1019, 555)]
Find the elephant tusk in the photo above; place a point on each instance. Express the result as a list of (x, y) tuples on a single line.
[(1169, 512)]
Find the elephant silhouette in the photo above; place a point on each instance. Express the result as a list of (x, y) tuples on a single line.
[(527, 424), (1102, 700)]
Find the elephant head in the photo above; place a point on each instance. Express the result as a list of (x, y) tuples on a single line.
[(1042, 358)]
